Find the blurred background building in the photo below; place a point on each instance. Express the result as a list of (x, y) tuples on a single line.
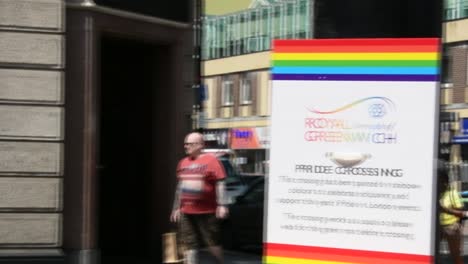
[(454, 84), (235, 53), (235, 70)]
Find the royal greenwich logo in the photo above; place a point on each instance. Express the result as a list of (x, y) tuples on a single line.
[(368, 120)]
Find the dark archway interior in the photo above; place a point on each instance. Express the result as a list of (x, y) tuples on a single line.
[(132, 81)]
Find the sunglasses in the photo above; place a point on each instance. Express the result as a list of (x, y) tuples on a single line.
[(190, 143)]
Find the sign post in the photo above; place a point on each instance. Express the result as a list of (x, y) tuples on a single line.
[(353, 151)]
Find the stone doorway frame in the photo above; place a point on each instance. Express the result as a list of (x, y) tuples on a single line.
[(85, 25)]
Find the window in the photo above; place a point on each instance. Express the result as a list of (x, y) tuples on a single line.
[(303, 7), (246, 88), (276, 13), (226, 91), (289, 9), (264, 14), (446, 63), (253, 16)]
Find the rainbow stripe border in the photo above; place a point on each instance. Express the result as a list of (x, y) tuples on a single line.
[(294, 254), (405, 59)]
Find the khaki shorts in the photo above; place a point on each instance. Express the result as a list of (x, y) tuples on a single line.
[(452, 230), (197, 230)]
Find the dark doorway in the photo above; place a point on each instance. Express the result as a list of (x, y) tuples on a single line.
[(129, 100)]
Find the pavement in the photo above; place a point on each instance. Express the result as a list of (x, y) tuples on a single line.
[(445, 259), (231, 257)]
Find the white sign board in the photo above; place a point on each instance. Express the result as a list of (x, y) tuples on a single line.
[(351, 168)]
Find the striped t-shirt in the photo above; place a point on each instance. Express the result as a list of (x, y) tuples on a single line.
[(198, 179)]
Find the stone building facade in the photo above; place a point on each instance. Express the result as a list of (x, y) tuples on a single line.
[(53, 71), (32, 118)]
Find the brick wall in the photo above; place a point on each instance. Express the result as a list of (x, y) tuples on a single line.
[(458, 67)]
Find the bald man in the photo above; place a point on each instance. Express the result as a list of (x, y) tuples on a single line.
[(200, 200)]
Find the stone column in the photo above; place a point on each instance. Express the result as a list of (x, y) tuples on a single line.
[(80, 222)]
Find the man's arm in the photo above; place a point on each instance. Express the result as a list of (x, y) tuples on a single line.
[(175, 215), (455, 212), (221, 198)]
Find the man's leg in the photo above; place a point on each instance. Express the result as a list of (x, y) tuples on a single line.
[(454, 240), (209, 227), (191, 256), (189, 239), (217, 252)]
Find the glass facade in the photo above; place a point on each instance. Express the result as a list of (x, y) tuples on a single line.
[(455, 9), (252, 30)]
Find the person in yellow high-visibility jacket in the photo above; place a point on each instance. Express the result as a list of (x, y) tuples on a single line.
[(450, 215)]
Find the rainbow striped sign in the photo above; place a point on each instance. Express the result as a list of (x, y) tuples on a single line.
[(356, 59)]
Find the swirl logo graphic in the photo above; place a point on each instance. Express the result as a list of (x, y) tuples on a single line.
[(370, 120), (376, 110)]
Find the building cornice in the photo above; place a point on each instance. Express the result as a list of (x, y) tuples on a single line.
[(455, 31), (454, 106), (235, 122), (241, 63)]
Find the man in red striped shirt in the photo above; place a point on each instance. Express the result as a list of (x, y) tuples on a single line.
[(200, 200)]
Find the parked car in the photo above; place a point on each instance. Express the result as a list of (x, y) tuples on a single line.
[(235, 183), (244, 227), (248, 178)]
